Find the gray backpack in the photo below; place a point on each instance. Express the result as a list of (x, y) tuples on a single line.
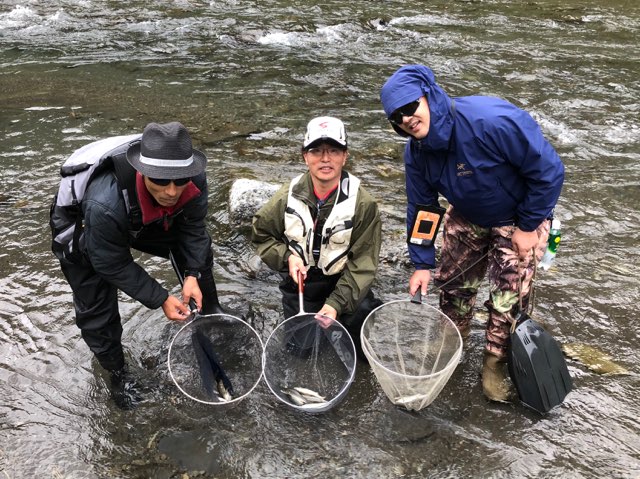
[(77, 172)]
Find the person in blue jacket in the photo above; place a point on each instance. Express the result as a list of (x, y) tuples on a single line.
[(502, 180)]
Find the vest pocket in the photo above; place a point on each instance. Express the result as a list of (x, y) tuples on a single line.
[(294, 225), (337, 264), (339, 234)]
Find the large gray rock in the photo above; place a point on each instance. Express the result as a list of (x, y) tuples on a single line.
[(247, 196)]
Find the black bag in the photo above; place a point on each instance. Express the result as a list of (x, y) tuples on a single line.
[(537, 366)]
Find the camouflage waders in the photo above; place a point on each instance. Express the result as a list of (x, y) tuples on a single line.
[(465, 244)]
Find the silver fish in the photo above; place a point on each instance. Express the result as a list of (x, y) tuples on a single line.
[(225, 395), (309, 395), (295, 396), (408, 401)]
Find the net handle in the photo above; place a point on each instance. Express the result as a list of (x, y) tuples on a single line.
[(521, 313), (192, 302), (301, 291)]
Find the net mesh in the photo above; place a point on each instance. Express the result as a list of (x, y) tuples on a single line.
[(212, 343), (302, 355), (413, 349)]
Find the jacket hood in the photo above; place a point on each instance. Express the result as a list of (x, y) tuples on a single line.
[(409, 83)]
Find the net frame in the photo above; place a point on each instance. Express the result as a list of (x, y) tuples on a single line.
[(349, 362), (408, 390), (189, 328)]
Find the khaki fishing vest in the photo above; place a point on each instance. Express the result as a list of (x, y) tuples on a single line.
[(336, 234)]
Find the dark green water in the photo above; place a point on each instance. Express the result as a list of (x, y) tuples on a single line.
[(245, 77)]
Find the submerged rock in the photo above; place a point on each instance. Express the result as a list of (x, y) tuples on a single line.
[(593, 358)]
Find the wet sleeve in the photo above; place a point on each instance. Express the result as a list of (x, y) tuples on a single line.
[(419, 192), (106, 244), (267, 231)]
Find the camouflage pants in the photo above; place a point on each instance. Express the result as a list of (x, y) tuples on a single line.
[(476, 252)]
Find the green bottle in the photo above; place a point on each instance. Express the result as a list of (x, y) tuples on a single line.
[(552, 245)]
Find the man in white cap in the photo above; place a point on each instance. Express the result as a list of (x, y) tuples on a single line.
[(327, 227), (150, 194)]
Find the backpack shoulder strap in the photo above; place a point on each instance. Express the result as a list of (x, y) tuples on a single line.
[(126, 177)]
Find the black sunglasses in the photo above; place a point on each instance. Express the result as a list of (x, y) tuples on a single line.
[(165, 182), (405, 110)]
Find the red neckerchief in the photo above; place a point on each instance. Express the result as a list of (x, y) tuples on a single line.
[(152, 211)]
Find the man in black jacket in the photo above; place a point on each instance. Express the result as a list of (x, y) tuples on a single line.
[(163, 211)]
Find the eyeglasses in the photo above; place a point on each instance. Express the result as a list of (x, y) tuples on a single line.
[(405, 110), (317, 153), (165, 182)]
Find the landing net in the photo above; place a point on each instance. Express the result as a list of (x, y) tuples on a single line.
[(413, 349)]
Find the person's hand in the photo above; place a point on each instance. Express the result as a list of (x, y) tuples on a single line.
[(296, 264), (419, 280), (523, 242), (325, 313), (174, 309), (191, 289)]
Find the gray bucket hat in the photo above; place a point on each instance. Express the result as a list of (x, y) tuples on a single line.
[(165, 152)]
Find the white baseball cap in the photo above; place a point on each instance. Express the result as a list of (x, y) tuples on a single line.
[(325, 128)]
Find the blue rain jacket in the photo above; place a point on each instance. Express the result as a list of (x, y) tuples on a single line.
[(487, 157)]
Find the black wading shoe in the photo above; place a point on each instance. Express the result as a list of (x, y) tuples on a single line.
[(124, 389)]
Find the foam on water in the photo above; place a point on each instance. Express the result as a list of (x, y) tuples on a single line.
[(18, 17), (623, 133), (440, 20), (43, 108), (323, 35)]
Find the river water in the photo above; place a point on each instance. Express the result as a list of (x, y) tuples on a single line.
[(245, 77)]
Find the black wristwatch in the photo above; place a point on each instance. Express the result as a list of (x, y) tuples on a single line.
[(192, 272)]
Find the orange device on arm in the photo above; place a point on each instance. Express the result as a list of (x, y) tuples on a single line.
[(426, 225)]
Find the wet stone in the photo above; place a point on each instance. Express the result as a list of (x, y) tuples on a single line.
[(247, 196)]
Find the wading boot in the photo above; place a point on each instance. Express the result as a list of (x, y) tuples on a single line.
[(465, 331), (124, 389), (495, 384)]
